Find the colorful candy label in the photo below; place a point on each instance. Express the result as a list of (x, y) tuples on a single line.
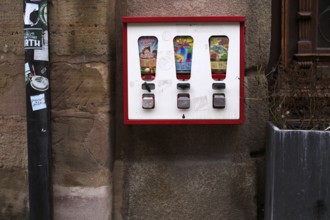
[(218, 54), (183, 49), (148, 46)]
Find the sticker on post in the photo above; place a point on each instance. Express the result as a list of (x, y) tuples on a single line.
[(43, 14), (38, 102), (27, 73), (31, 16), (39, 83), (33, 38), (42, 54)]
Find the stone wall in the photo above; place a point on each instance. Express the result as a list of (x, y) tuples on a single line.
[(81, 46), (160, 172), (13, 144), (81, 64)]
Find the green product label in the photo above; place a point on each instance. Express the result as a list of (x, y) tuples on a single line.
[(33, 38), (43, 14)]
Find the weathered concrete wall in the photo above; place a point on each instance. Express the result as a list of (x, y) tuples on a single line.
[(82, 62), (196, 171), (13, 144)]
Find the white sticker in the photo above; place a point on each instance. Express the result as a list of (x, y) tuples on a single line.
[(43, 53), (38, 102), (27, 73), (29, 8)]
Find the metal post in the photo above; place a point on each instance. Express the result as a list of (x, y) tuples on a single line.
[(38, 108)]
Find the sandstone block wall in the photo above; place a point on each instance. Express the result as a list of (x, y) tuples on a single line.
[(13, 144), (81, 68)]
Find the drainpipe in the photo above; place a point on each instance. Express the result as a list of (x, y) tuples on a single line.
[(38, 108)]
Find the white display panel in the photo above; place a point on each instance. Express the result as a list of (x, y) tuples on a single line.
[(201, 92)]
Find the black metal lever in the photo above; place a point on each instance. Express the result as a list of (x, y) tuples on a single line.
[(183, 86), (148, 86), (218, 85)]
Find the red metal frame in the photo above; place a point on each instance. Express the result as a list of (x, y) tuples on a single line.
[(240, 19)]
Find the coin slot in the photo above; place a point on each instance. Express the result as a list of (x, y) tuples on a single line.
[(183, 101), (219, 100), (148, 101)]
